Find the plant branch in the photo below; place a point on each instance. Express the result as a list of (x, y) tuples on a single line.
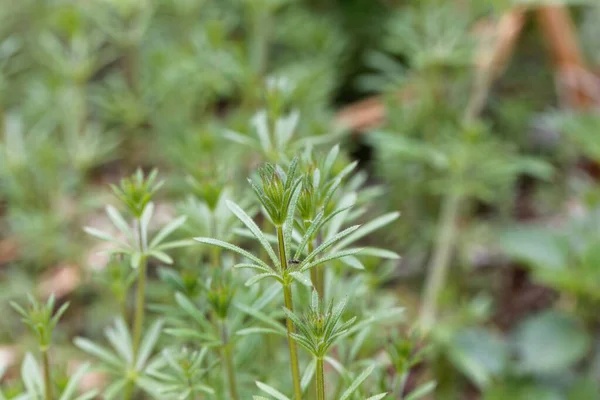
[(227, 359), (47, 377), (320, 380), (289, 304), (438, 266)]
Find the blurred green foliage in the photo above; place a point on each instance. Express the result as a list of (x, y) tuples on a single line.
[(206, 90)]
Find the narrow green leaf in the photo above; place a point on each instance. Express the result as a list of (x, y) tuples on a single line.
[(236, 249), (167, 230), (164, 257), (353, 262), (328, 243), (422, 391), (73, 382), (117, 219), (272, 391), (381, 253), (378, 396), (367, 228), (357, 382), (136, 259), (32, 376), (256, 329), (189, 307), (330, 257), (148, 344), (289, 219), (250, 224), (310, 232), (261, 317), (259, 277), (308, 374), (145, 222), (98, 351), (239, 138), (299, 276), (100, 234), (175, 244), (114, 389), (253, 266)]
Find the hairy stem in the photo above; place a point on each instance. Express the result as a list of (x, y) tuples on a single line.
[(227, 360), (47, 378), (320, 380), (314, 273), (320, 271), (440, 261), (289, 304)]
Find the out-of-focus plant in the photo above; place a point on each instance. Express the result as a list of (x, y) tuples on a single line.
[(136, 192), (41, 319)]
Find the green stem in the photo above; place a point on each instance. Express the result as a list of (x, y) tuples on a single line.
[(289, 304), (139, 308), (440, 261), (320, 271), (227, 360), (138, 322), (47, 378), (320, 380), (314, 272)]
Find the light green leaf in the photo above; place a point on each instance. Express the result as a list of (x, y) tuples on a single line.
[(246, 220), (167, 230), (145, 223), (175, 244), (73, 383), (308, 374), (272, 391), (352, 262), (32, 377), (381, 253), (260, 330), (289, 219), (328, 243), (118, 220), (239, 138), (422, 391), (310, 232), (261, 317), (331, 257), (119, 338), (114, 389), (378, 396), (136, 259), (164, 257), (357, 382), (98, 351), (366, 229), (100, 234), (236, 249), (260, 277), (300, 277), (189, 307), (253, 266), (148, 344)]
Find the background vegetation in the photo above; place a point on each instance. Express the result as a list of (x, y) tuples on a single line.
[(475, 120)]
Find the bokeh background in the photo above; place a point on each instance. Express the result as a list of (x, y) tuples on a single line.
[(477, 120)]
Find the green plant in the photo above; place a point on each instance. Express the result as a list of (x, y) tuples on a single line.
[(41, 319), (136, 193)]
